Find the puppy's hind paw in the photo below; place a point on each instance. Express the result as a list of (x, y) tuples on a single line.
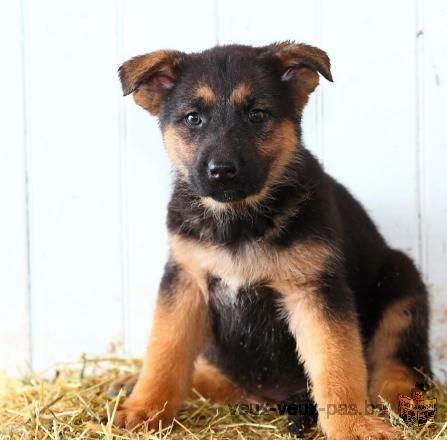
[(124, 383)]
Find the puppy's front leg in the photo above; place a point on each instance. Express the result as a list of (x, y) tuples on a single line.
[(328, 342), (178, 335)]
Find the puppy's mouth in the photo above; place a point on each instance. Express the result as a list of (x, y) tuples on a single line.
[(228, 196), (235, 190)]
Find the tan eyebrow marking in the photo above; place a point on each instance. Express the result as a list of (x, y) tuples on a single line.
[(205, 92), (240, 93)]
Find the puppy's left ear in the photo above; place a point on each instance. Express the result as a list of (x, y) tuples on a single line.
[(150, 77), (302, 63)]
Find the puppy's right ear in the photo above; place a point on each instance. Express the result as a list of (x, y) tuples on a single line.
[(149, 77)]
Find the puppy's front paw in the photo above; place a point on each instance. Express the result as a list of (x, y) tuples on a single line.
[(143, 415), (361, 428)]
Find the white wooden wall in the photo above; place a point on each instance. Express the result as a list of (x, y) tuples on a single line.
[(84, 179)]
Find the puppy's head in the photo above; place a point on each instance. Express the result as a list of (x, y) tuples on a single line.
[(229, 115)]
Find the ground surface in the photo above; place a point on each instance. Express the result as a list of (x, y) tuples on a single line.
[(69, 402)]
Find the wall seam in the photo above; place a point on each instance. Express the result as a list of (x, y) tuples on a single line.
[(420, 141), (123, 172), (26, 165), (216, 8), (319, 114)]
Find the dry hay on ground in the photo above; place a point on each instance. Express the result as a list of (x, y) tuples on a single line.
[(69, 402)]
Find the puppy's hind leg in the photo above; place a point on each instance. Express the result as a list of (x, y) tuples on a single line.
[(208, 381), (214, 385), (399, 348)]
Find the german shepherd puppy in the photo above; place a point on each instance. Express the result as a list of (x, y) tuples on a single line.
[(277, 278)]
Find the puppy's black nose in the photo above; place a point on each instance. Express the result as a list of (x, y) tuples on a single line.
[(222, 171)]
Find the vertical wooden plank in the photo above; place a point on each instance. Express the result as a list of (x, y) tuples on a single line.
[(433, 82), (74, 178), (14, 323), (370, 113), (259, 22), (147, 175)]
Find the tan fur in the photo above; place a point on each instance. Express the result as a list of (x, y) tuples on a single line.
[(147, 98), (160, 60), (212, 384), (178, 151), (254, 262), (307, 79), (279, 147), (240, 94), (293, 54), (178, 335), (135, 69), (395, 320), (331, 351), (389, 377), (346, 427), (205, 92), (388, 381)]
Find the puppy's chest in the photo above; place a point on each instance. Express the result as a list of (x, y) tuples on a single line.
[(250, 263), (243, 266)]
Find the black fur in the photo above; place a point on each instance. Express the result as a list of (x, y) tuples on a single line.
[(252, 344), (169, 280)]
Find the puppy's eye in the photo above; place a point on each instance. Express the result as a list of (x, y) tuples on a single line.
[(256, 115), (193, 119)]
